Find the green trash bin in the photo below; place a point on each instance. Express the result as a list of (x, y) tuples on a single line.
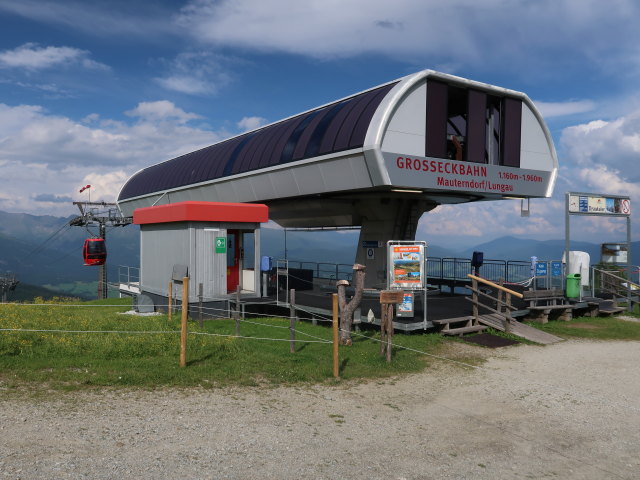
[(573, 285)]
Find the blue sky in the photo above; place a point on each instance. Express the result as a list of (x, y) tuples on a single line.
[(92, 91)]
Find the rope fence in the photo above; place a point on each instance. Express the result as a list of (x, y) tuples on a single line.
[(313, 339)]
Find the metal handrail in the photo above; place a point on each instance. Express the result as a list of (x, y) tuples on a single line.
[(129, 275), (495, 285)]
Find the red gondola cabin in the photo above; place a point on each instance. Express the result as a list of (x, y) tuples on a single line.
[(94, 251)]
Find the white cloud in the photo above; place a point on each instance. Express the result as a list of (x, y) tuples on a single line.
[(488, 220), (48, 156), (185, 84), (196, 73), (609, 181), (161, 110), (513, 35), (251, 123), (105, 186), (610, 145), (30, 56), (50, 198), (557, 109), (144, 20)]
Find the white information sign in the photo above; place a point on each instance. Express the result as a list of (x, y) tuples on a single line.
[(599, 205)]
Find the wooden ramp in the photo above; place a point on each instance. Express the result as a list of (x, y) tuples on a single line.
[(520, 329)]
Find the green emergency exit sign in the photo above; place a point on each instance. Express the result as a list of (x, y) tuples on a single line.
[(221, 244)]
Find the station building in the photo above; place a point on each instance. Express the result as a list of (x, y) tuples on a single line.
[(377, 160)]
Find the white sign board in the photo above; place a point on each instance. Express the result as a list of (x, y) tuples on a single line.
[(588, 204), (443, 174)]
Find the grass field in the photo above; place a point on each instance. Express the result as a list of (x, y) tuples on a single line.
[(78, 345), (147, 356), (595, 328)]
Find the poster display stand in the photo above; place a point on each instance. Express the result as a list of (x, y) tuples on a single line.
[(407, 271)]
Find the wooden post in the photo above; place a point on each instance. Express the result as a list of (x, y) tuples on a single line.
[(183, 326), (388, 298), (383, 327), (389, 330), (508, 313), (336, 369), (170, 297), (474, 297), (347, 309), (292, 321), (200, 321)]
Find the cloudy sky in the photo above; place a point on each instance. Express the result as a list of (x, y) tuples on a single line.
[(93, 90)]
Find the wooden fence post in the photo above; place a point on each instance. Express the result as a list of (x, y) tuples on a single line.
[(508, 313), (292, 321), (169, 298), (183, 323), (474, 297), (388, 298), (336, 368)]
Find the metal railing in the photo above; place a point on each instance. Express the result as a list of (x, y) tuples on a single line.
[(620, 288), (448, 268), (511, 271), (322, 270), (129, 276)]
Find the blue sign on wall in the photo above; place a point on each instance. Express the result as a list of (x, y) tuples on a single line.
[(541, 269), (556, 269), (371, 244)]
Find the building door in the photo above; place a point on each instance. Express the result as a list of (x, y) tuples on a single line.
[(233, 260)]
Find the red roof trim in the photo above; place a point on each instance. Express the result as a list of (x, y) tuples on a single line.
[(202, 212)]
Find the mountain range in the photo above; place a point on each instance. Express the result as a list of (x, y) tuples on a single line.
[(46, 251)]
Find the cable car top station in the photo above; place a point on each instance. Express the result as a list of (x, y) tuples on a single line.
[(378, 159)]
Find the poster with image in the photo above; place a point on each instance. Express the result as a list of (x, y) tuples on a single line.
[(406, 263)]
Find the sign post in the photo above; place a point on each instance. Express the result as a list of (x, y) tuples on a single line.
[(592, 204), (407, 262)]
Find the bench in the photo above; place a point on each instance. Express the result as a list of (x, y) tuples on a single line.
[(544, 302)]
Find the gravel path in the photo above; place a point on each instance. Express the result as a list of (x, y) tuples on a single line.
[(569, 410)]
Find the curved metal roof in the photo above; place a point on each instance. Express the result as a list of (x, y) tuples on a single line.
[(428, 137), (336, 127)]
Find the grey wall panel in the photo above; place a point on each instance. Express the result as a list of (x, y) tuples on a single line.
[(284, 183), (536, 149), (263, 186), (345, 174), (309, 178), (229, 193), (162, 247)]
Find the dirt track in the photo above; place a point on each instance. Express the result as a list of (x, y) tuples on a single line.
[(570, 410)]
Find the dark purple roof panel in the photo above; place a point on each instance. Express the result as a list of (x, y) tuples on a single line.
[(340, 126)]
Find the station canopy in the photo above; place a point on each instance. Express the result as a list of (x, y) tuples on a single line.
[(387, 154)]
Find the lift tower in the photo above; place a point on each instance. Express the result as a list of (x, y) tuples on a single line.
[(8, 283), (101, 215)]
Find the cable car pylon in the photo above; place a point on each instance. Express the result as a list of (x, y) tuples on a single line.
[(94, 251)]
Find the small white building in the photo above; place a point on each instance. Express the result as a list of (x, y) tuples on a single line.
[(204, 241)]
